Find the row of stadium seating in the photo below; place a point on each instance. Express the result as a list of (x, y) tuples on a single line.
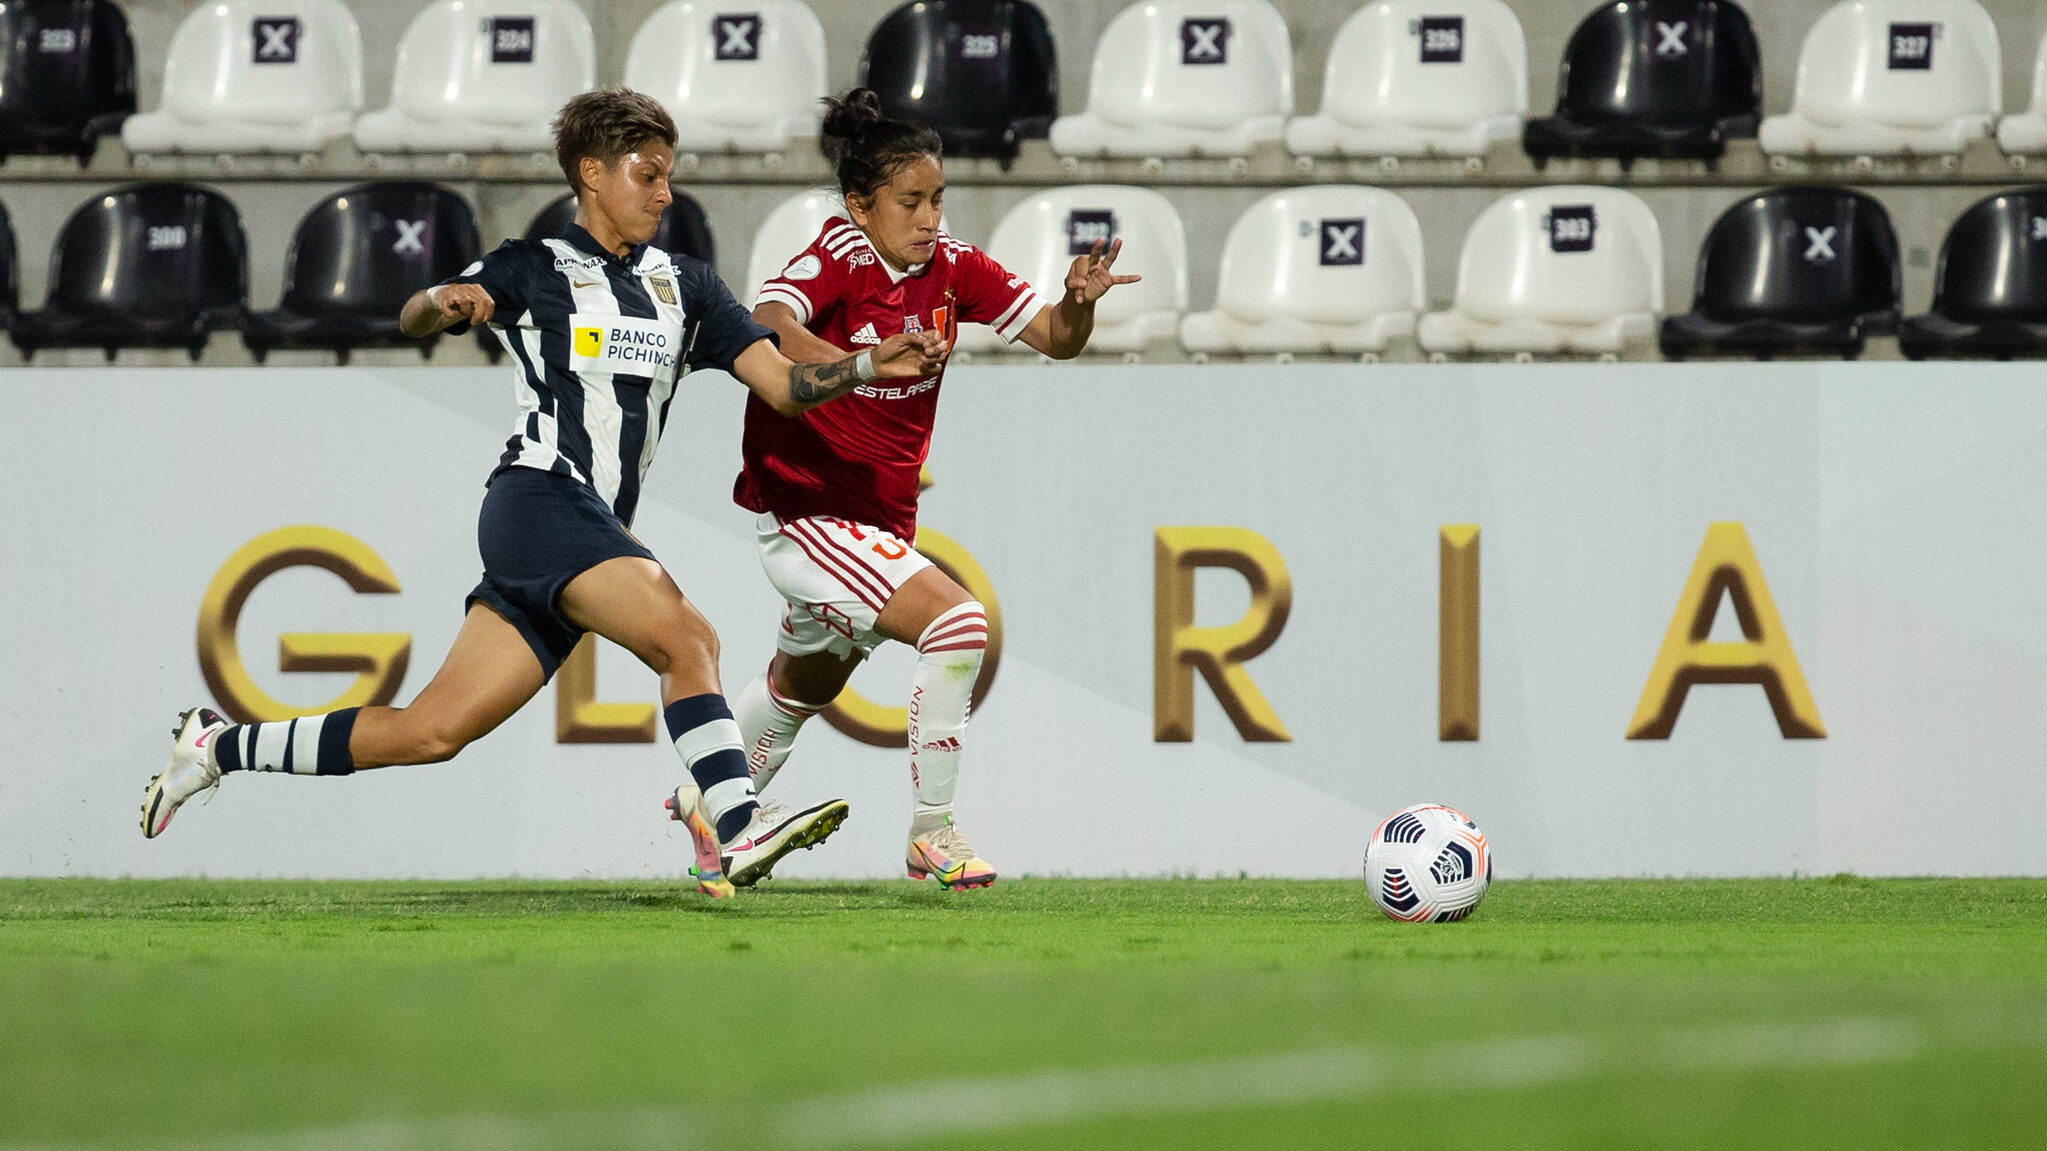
[(1665, 78), (1327, 268)]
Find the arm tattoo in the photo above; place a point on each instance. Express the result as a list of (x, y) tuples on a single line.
[(816, 383)]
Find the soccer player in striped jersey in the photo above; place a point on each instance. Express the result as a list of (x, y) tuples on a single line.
[(836, 488), (600, 328)]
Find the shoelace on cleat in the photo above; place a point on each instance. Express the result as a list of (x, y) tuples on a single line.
[(948, 839)]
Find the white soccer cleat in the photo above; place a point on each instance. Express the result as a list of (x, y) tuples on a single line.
[(945, 855), (774, 833), (191, 770)]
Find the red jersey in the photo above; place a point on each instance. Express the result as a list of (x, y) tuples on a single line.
[(858, 456)]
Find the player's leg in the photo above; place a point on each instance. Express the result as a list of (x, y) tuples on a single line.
[(491, 671), (949, 629), (774, 706)]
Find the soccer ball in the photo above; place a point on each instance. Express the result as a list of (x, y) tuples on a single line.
[(1427, 864)]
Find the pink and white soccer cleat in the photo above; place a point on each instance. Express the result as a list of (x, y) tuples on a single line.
[(687, 805), (944, 854), (191, 770)]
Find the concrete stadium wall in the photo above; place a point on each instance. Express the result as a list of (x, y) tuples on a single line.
[(1887, 509)]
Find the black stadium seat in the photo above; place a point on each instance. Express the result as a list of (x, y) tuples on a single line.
[(157, 265), (684, 227), (10, 273), (67, 75), (980, 72), (1794, 271), (1665, 78), (1990, 289), (355, 259)]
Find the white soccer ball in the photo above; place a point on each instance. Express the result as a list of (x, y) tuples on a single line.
[(1427, 864)]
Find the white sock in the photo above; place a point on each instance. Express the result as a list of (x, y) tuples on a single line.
[(768, 723), (948, 661)]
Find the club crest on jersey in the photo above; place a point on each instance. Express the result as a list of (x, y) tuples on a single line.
[(913, 324), (664, 289)]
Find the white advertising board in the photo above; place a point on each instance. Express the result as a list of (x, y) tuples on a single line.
[(1892, 512)]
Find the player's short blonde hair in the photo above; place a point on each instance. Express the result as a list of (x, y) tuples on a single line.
[(607, 124)]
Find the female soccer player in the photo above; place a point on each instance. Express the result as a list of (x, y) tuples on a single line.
[(836, 488), (600, 328)]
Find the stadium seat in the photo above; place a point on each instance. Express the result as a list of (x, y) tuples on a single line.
[(1185, 77), (980, 72), (2026, 133), (483, 76), (1570, 268), (789, 229), (1990, 289), (1039, 238), (1665, 78), (684, 227), (1419, 78), (1333, 268), (356, 258), (744, 77), (10, 272), (256, 76), (67, 75), (156, 265), (1891, 77), (1794, 271)]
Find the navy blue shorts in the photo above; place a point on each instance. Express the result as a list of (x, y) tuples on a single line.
[(536, 532)]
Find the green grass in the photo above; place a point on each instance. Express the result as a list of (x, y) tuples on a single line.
[(1834, 1012)]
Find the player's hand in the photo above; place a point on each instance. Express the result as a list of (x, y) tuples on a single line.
[(459, 303), (1091, 276), (910, 356)]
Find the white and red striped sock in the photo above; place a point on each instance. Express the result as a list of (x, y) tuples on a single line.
[(768, 723), (948, 661)]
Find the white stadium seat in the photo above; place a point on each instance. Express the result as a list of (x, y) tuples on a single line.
[(1892, 77), (483, 76), (2026, 133), (1182, 78), (247, 76), (1420, 78), (735, 82), (1040, 237), (789, 229), (1571, 268), (1331, 268)]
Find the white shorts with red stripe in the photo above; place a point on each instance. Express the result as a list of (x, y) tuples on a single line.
[(837, 576)]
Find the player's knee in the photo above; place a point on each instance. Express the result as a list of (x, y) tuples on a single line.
[(961, 630), (438, 742), (690, 645)]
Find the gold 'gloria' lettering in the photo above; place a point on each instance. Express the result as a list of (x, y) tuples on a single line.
[(578, 715), (1179, 649), (378, 658), (1726, 565), (880, 726), (1457, 625)]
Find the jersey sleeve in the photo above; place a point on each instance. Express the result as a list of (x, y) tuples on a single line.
[(991, 295), (724, 329), (505, 274), (809, 285)]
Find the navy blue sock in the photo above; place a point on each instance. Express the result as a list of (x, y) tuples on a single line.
[(308, 745), (708, 741)]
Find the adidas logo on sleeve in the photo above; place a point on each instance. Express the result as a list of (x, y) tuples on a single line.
[(866, 335)]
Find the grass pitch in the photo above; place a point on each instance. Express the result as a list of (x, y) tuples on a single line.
[(1040, 1013)]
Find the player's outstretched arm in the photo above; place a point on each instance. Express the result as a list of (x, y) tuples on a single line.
[(798, 342), (790, 387), (443, 306), (1061, 330)]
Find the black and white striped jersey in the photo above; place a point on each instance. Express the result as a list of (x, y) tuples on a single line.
[(598, 342)]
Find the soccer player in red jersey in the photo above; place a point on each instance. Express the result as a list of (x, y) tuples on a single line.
[(836, 487)]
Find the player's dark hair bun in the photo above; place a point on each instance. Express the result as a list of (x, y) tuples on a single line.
[(866, 145)]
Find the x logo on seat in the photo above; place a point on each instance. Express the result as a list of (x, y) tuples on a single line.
[(409, 237), (1672, 42), (277, 40), (1340, 242), (1204, 41), (1820, 244), (737, 37)]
